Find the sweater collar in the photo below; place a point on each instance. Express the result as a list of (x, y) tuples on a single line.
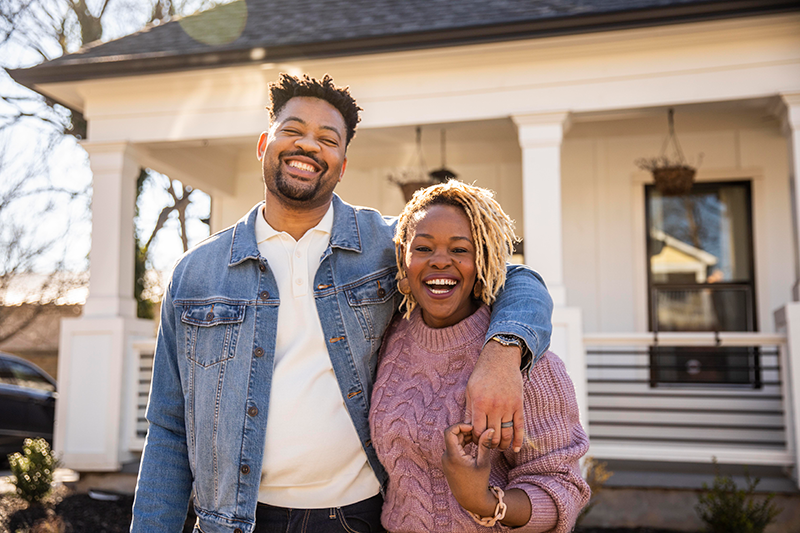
[(452, 337)]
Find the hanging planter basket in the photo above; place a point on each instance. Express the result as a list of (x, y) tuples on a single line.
[(674, 180), (672, 175)]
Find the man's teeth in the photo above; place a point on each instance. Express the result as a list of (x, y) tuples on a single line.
[(302, 166), (434, 285)]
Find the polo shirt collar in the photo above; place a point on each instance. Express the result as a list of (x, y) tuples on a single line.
[(344, 231)]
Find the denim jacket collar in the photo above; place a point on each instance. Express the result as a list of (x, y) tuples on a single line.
[(344, 235)]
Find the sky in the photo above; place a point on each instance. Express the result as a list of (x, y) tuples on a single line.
[(47, 216)]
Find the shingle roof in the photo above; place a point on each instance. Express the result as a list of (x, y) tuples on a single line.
[(272, 30)]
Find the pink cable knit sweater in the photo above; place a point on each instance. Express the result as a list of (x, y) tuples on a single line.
[(420, 391)]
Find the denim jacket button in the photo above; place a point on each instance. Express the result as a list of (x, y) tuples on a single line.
[(252, 411), (258, 352), (210, 316), (262, 267), (245, 469), (237, 530), (381, 292), (264, 295)]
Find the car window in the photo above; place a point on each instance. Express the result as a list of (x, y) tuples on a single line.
[(6, 377), (26, 376)]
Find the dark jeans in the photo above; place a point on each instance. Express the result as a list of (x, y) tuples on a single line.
[(360, 517)]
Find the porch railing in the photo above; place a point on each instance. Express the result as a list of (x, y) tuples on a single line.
[(629, 418), (142, 371), (633, 415)]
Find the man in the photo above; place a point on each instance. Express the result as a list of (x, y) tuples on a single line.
[(268, 344)]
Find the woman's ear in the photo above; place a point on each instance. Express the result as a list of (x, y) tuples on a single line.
[(477, 289)]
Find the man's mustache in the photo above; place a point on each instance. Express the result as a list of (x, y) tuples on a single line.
[(303, 153)]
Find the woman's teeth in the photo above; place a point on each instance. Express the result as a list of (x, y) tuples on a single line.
[(441, 286)]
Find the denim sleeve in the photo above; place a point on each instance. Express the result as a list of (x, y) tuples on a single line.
[(524, 309), (165, 479)]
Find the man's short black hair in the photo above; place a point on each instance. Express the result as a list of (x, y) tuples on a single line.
[(288, 87)]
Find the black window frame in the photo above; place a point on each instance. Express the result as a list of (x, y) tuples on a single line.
[(657, 353)]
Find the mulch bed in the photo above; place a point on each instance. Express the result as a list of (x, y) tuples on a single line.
[(66, 512)]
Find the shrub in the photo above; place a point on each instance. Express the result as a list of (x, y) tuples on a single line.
[(725, 508), (33, 469), (596, 474)]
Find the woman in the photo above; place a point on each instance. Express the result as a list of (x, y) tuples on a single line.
[(452, 243)]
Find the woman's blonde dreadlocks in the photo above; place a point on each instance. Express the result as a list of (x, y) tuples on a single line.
[(492, 233)]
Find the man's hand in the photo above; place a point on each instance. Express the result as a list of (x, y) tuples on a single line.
[(494, 396)]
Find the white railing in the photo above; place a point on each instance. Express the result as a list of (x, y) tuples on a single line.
[(636, 413), (629, 417), (142, 373)]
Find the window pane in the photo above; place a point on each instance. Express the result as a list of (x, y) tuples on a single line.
[(28, 377), (702, 309), (700, 237), (723, 365), (6, 377)]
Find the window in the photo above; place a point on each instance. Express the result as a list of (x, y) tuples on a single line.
[(28, 377), (700, 277)]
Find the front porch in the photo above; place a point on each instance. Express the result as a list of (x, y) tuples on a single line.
[(629, 419)]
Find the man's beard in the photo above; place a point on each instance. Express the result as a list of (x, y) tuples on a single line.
[(293, 192)]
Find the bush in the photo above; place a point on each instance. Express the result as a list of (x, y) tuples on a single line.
[(33, 470), (725, 508), (596, 474)]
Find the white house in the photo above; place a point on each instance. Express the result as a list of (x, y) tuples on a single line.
[(678, 316)]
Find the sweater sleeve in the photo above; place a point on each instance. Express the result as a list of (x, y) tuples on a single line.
[(547, 467)]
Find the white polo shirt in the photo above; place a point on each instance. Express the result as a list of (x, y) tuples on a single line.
[(313, 456)]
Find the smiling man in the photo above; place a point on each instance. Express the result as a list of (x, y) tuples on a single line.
[(268, 342)]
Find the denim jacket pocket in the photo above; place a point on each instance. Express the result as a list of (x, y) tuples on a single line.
[(373, 302), (211, 331)]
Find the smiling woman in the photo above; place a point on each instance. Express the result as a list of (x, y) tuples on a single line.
[(440, 259), (452, 244)]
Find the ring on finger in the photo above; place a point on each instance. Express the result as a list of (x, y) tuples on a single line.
[(509, 424)]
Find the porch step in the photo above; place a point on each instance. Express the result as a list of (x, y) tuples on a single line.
[(692, 476)]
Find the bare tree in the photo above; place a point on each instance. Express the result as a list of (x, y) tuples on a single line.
[(32, 31), (33, 273)]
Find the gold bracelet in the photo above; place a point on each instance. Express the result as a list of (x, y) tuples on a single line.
[(499, 511)]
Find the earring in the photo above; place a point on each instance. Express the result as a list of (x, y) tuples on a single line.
[(404, 286), (477, 289)]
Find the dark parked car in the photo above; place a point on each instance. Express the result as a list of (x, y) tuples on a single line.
[(27, 403)]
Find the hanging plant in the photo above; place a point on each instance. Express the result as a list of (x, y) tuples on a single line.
[(672, 174)]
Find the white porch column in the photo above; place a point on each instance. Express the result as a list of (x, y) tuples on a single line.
[(540, 137), (114, 170), (787, 320), (95, 368), (791, 127)]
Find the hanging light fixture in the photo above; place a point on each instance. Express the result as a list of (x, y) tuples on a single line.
[(443, 174), (414, 176)]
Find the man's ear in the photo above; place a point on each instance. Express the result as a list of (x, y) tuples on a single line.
[(262, 145), (344, 165)]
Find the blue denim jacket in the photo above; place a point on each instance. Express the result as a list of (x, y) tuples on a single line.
[(214, 358)]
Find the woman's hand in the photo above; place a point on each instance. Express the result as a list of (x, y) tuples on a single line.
[(468, 476)]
